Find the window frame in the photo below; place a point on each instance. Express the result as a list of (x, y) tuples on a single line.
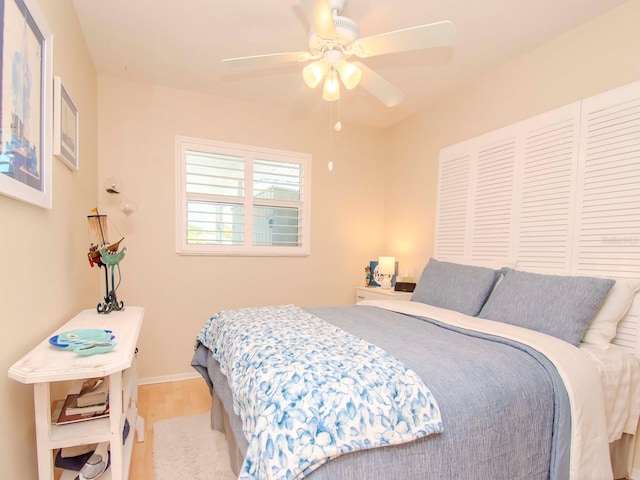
[(249, 153)]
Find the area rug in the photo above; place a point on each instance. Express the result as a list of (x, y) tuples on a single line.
[(185, 448)]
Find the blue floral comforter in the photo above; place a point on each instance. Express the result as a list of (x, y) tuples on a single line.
[(307, 391)]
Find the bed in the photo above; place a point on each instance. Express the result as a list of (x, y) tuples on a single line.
[(518, 376)]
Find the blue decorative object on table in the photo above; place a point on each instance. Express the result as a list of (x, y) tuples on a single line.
[(372, 265), (84, 341)]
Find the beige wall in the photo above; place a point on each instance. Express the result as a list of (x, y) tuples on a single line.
[(137, 125), (597, 56), (45, 275)]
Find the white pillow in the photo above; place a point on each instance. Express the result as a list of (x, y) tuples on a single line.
[(616, 305)]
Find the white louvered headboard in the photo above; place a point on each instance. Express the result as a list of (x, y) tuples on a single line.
[(558, 193)]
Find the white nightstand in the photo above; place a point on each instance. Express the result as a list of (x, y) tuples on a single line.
[(378, 293), (46, 364)]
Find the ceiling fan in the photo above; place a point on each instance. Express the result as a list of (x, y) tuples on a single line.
[(334, 39)]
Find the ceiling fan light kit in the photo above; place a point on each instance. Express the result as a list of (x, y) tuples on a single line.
[(314, 72), (331, 90), (349, 74), (332, 62), (333, 39)]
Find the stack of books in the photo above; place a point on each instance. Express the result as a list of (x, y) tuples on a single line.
[(88, 399)]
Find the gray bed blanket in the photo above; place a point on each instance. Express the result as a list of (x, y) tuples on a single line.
[(504, 408)]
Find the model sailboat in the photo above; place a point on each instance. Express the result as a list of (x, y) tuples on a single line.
[(107, 255)]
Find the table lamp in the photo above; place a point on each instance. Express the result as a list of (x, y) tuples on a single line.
[(385, 270)]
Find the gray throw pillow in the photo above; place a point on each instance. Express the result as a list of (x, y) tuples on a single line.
[(463, 288), (561, 306)]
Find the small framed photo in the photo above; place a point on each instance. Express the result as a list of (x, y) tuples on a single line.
[(65, 126)]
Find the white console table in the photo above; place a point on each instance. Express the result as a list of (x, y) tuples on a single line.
[(46, 363)]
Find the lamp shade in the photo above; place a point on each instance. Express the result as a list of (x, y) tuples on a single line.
[(314, 73), (331, 90), (387, 265), (350, 74)]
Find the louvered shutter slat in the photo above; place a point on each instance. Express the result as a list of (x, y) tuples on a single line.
[(609, 216)]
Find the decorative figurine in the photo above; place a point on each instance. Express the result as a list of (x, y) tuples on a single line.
[(107, 256), (368, 277)]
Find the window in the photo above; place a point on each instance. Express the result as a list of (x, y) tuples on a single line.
[(241, 200)]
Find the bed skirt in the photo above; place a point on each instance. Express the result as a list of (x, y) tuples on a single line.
[(220, 422)]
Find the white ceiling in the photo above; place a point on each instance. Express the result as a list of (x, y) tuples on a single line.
[(181, 43)]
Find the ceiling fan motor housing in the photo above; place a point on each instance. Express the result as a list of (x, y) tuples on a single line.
[(337, 5), (347, 32)]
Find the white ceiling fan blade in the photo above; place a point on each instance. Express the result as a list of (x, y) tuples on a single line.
[(302, 102), (320, 17), (432, 35), (302, 16), (379, 87), (270, 60)]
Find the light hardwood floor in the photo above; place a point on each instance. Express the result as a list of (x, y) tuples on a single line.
[(160, 401)]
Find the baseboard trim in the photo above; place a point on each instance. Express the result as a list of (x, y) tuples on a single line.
[(168, 378), (635, 474)]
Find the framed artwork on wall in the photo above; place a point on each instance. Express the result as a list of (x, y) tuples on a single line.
[(26, 94), (65, 126)]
